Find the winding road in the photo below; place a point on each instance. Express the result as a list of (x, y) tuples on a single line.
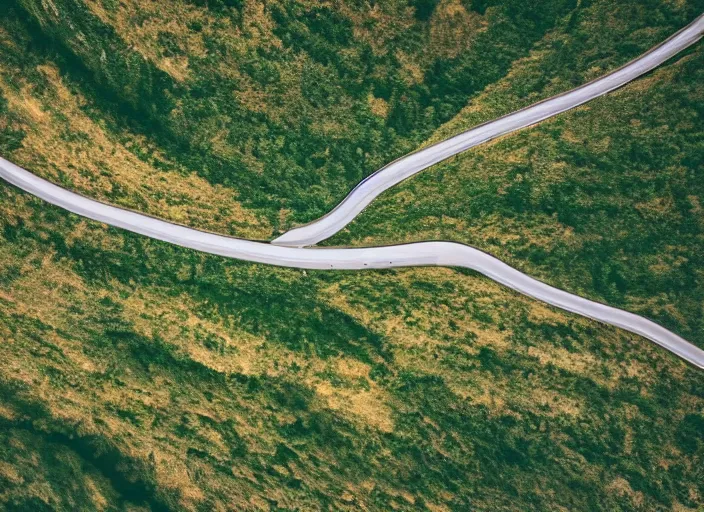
[(403, 168), (447, 254)]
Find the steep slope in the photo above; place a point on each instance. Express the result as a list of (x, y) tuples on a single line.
[(290, 103), (602, 201), (137, 375), (210, 382)]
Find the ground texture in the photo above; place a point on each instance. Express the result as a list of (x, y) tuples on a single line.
[(140, 376)]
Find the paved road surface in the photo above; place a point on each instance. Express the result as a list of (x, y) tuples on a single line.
[(405, 167), (423, 253)]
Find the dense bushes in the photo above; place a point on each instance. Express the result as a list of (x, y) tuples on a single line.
[(167, 378), (319, 108)]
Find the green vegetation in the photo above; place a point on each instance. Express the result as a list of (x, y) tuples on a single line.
[(141, 376), (603, 201), (291, 104)]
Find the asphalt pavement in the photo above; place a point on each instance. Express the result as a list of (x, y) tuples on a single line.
[(447, 254), (403, 168)]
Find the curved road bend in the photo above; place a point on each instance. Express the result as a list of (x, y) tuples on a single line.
[(446, 254), (375, 184)]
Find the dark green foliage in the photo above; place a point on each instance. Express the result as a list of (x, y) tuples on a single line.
[(440, 443), (96, 455), (88, 46), (690, 433), (631, 204), (424, 8), (339, 73), (218, 5), (125, 359)]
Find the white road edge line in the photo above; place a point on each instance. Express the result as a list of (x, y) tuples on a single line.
[(403, 168), (447, 254)]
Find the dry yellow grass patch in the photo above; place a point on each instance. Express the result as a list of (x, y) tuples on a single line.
[(96, 164), (251, 97), (621, 487), (561, 358), (173, 320), (7, 40), (377, 25), (257, 25), (696, 205), (369, 406), (378, 106), (656, 207), (353, 369), (7, 413), (694, 496), (175, 474), (412, 71), (177, 67), (97, 498), (42, 286), (32, 109), (50, 5), (436, 507), (542, 313), (158, 18), (539, 398), (9, 473), (453, 28)]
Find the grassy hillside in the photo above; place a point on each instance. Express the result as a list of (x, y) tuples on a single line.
[(290, 104), (140, 376), (603, 201)]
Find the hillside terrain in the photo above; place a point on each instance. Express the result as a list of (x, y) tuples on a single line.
[(604, 201), (142, 376)]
